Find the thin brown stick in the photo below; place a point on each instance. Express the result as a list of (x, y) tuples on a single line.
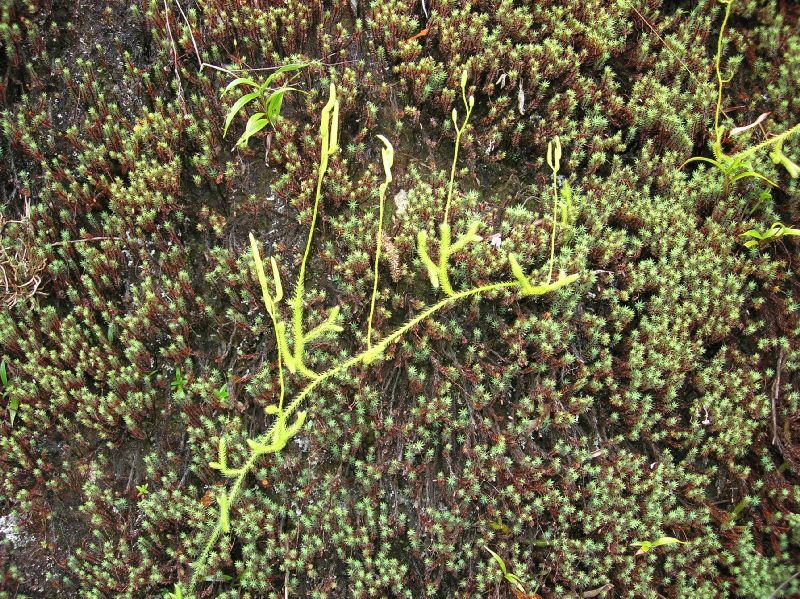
[(200, 60), (776, 389), (181, 98), (663, 41), (87, 239), (774, 593)]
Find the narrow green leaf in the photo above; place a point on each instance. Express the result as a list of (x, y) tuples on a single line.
[(13, 407), (284, 69), (499, 561), (668, 541), (237, 82), (755, 175), (646, 546), (701, 159), (254, 124), (274, 104), (237, 106)]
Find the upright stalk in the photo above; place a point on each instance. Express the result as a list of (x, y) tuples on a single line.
[(554, 160), (721, 81), (468, 106), (387, 155), (329, 134)]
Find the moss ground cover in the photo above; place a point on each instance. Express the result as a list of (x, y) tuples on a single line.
[(654, 403)]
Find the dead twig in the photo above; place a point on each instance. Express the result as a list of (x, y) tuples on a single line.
[(663, 41), (782, 586), (776, 389), (174, 50)]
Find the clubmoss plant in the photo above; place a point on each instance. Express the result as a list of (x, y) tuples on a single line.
[(438, 273), (281, 431), (736, 167), (649, 405)]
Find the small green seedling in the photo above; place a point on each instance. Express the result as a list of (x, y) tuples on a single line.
[(269, 99), (178, 383), (759, 238), (142, 490), (512, 579), (222, 393), (13, 403), (500, 526), (646, 546)]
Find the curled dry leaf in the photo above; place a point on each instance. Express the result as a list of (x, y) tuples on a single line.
[(756, 123), (598, 591)]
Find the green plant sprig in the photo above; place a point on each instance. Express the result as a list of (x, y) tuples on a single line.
[(517, 587), (276, 438), (279, 434), (736, 167), (438, 273)]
